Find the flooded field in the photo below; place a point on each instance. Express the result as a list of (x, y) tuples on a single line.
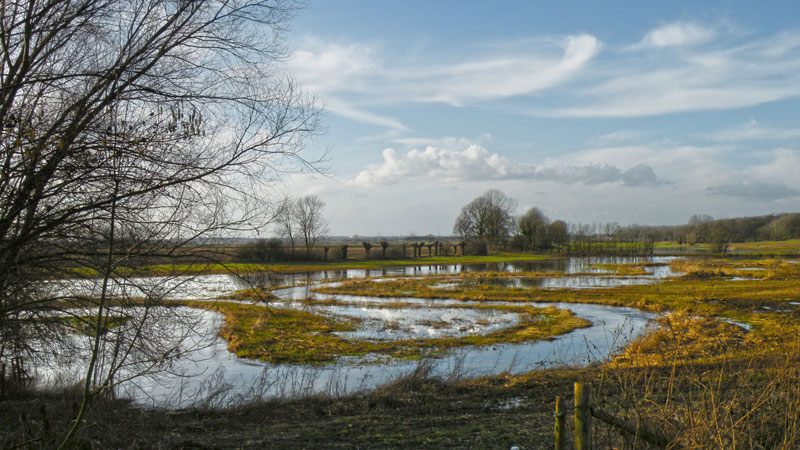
[(208, 367)]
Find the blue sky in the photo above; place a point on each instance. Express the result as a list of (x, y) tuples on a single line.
[(631, 112)]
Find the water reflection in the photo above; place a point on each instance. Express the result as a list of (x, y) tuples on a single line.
[(573, 265)]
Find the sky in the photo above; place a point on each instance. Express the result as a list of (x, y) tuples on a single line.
[(630, 112)]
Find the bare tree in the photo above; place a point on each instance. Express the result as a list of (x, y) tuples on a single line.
[(311, 225), (130, 129), (487, 218), (285, 222)]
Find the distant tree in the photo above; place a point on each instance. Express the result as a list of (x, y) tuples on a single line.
[(700, 218), (262, 250), (487, 218), (311, 225), (533, 227), (285, 222), (367, 248), (326, 249), (557, 231), (384, 246), (720, 237), (343, 249)]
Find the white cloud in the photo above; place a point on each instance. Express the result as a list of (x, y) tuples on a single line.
[(500, 76), (345, 109), (783, 166), (332, 67), (752, 131), (724, 77), (615, 138), (676, 34), (355, 69), (446, 142), (476, 163)]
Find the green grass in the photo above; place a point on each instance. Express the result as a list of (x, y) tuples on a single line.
[(294, 336), (300, 267)]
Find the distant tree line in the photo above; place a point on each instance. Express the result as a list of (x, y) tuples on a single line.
[(488, 223)]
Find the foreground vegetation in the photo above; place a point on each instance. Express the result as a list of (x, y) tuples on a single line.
[(721, 371)]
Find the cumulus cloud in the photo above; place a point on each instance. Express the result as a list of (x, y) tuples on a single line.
[(754, 190), (641, 175), (476, 163), (676, 34)]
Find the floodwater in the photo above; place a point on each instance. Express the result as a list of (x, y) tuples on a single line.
[(208, 373)]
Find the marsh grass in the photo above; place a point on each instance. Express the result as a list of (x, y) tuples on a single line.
[(310, 266), (293, 336)]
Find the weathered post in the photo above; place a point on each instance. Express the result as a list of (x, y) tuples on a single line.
[(583, 417), (559, 415)]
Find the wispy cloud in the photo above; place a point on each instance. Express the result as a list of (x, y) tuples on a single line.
[(332, 67), (676, 34), (676, 67), (724, 74), (352, 78), (549, 63), (476, 163), (346, 109), (753, 131), (754, 190), (616, 137)]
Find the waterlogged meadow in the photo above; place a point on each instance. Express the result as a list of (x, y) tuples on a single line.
[(704, 350), (347, 330)]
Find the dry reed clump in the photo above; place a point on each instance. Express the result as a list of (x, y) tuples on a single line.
[(764, 269), (731, 400), (681, 337)]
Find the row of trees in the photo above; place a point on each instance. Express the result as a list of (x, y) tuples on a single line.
[(489, 222)]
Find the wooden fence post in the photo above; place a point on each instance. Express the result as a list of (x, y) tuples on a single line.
[(560, 413), (583, 417)]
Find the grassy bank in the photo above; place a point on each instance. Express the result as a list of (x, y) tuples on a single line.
[(312, 266)]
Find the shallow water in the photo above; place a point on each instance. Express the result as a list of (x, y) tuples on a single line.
[(211, 369)]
